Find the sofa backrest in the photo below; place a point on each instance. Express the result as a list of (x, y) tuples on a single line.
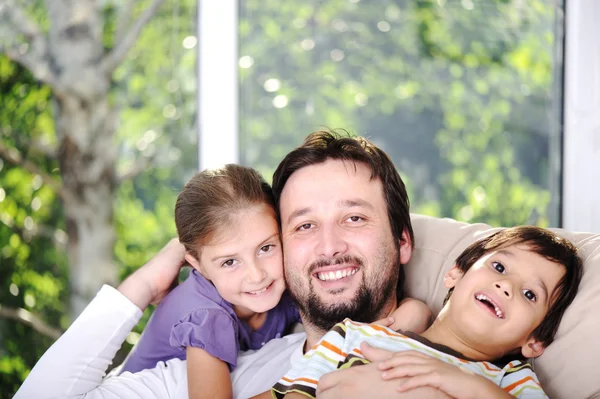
[(567, 369)]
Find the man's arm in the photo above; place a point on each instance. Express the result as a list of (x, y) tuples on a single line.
[(76, 363)]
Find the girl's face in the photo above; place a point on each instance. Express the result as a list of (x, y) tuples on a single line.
[(244, 261)]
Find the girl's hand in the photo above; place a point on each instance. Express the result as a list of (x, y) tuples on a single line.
[(151, 282)]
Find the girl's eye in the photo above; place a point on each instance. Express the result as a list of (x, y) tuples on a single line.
[(499, 267), (266, 248), (530, 295), (228, 263)]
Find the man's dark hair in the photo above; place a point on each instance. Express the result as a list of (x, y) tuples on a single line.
[(325, 145), (544, 243)]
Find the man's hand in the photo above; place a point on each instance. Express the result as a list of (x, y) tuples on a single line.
[(417, 370), (151, 282)]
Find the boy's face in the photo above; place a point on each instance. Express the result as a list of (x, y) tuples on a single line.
[(502, 298)]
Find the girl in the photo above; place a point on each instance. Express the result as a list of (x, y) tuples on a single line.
[(234, 298)]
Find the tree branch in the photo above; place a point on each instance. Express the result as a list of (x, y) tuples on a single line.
[(140, 165), (124, 17), (39, 147), (18, 18), (32, 53), (14, 157), (29, 319), (112, 60)]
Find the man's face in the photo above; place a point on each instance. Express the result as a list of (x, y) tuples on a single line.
[(340, 258)]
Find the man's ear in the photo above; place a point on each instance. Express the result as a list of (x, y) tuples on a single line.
[(195, 264), (405, 248), (532, 348), (452, 276)]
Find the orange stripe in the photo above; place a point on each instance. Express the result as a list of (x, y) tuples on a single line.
[(383, 330), (522, 381), (333, 348), (485, 364), (300, 379)]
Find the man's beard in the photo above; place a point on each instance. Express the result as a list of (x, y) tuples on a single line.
[(368, 302)]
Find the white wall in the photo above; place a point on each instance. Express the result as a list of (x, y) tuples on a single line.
[(581, 185)]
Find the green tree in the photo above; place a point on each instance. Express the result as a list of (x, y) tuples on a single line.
[(134, 130)]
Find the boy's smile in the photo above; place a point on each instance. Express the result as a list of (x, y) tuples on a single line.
[(490, 304)]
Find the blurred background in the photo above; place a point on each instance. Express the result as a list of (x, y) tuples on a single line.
[(107, 107)]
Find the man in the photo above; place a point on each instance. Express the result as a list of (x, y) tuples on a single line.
[(346, 233)]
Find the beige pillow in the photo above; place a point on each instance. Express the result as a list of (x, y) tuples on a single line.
[(568, 367)]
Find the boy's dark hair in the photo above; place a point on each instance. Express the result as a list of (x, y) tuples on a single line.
[(544, 243), (213, 198), (325, 145)]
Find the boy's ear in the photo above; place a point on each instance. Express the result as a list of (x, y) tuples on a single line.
[(195, 264), (532, 348), (452, 276)]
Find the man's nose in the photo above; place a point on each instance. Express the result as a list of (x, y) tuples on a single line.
[(506, 287), (330, 241)]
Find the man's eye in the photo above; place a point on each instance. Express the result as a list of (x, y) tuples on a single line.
[(355, 218), (228, 263), (530, 295), (305, 226), (499, 267)]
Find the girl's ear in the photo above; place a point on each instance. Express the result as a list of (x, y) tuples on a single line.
[(195, 264), (452, 277)]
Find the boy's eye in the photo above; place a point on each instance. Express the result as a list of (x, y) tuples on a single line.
[(530, 295), (499, 267)]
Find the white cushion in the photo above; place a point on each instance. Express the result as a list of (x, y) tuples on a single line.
[(568, 367)]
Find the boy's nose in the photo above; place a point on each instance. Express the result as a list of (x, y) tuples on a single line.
[(505, 288)]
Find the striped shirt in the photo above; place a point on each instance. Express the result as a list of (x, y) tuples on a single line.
[(339, 348)]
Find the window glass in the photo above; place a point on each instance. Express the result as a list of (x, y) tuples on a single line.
[(465, 96)]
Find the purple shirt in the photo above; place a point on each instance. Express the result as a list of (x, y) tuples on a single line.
[(194, 314)]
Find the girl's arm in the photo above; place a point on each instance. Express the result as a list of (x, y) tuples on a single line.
[(208, 376), (412, 315)]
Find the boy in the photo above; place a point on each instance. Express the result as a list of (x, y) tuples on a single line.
[(507, 294)]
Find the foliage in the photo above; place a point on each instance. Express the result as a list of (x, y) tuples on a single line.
[(458, 93), (155, 89)]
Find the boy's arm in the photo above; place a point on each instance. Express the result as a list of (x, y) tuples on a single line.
[(412, 315), (212, 374)]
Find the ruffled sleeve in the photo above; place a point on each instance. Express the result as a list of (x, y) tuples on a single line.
[(213, 330)]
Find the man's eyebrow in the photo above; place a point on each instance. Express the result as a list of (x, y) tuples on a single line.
[(350, 203), (298, 213)]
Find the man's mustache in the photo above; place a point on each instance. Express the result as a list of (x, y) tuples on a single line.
[(340, 260)]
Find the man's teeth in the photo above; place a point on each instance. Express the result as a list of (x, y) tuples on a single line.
[(499, 312), (338, 274), (258, 292)]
